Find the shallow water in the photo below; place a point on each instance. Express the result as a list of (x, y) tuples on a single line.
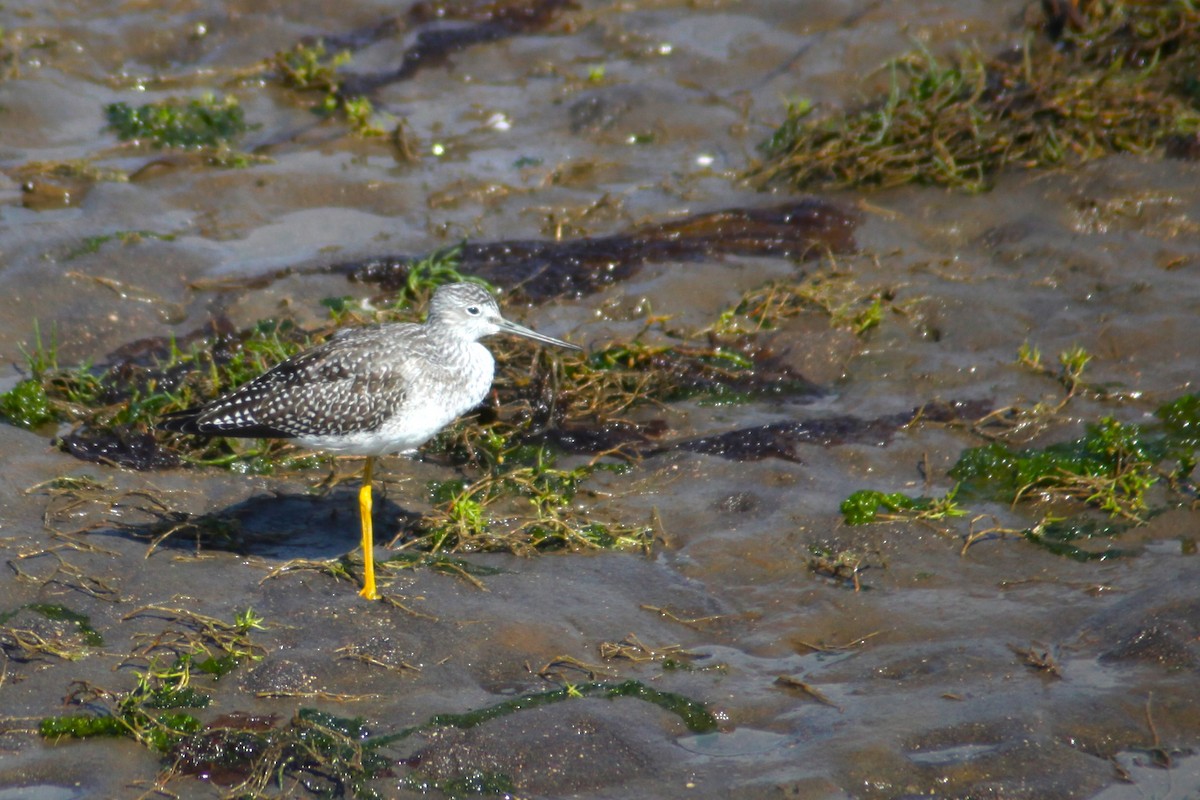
[(920, 685)]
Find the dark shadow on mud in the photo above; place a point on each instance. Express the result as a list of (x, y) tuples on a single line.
[(278, 526)]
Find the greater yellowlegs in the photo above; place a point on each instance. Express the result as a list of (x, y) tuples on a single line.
[(370, 391)]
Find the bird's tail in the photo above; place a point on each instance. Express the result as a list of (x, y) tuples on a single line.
[(186, 421)]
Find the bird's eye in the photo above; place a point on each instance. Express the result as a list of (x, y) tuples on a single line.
[(473, 311)]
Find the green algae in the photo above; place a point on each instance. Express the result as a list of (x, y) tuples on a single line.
[(623, 375), (27, 405), (82, 623), (201, 122), (81, 726), (313, 69), (29, 642), (149, 712), (865, 505), (176, 697), (217, 666), (92, 244), (1120, 80), (836, 295), (693, 715), (35, 401), (869, 505), (310, 67), (1115, 467), (475, 783), (1066, 537), (521, 502), (138, 714), (1112, 466)]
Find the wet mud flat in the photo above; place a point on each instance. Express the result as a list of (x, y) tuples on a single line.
[(858, 491)]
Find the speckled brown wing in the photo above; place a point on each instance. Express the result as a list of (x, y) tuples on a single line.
[(344, 385)]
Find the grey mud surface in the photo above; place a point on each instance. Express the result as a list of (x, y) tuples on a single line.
[(926, 691)]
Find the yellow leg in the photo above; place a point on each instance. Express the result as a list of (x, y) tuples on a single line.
[(368, 539)]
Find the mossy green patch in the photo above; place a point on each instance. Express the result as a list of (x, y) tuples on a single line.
[(149, 711), (695, 716), (868, 505), (135, 714), (1180, 420), (1113, 467), (312, 68), (92, 244), (201, 122), (1068, 538), (176, 697), (27, 405), (837, 295), (82, 623), (865, 505), (521, 502), (81, 726), (217, 666), (626, 374), (1120, 79)]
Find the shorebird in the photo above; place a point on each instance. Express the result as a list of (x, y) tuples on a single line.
[(370, 391)]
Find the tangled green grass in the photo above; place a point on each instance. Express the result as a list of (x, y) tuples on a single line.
[(1120, 78)]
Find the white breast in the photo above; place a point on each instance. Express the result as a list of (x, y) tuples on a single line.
[(439, 392)]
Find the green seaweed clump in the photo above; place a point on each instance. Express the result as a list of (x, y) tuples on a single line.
[(149, 711), (522, 502), (865, 505), (869, 505), (81, 726), (26, 405), (70, 641), (610, 380), (838, 296), (146, 713), (60, 613), (328, 755), (1120, 78), (1060, 537), (1112, 466), (1180, 420), (203, 122), (695, 716), (311, 68)]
